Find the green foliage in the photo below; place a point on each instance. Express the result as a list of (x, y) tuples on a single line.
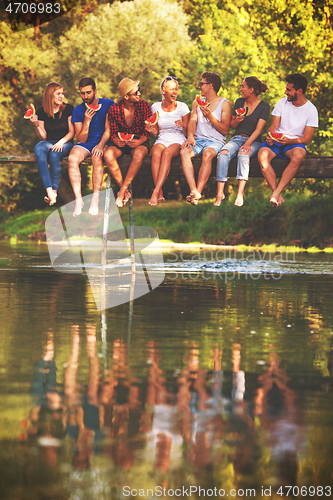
[(139, 39), (269, 40), (304, 220)]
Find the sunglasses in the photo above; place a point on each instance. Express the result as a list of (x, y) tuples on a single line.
[(203, 83), (168, 78), (137, 92)]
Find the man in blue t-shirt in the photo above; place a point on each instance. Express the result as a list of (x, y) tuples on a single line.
[(89, 128)]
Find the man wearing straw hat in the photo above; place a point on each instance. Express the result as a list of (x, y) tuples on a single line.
[(127, 117)]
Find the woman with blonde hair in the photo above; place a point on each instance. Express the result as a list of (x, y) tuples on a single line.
[(54, 127), (246, 139), (173, 117)]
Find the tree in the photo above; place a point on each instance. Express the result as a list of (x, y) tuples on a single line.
[(141, 39)]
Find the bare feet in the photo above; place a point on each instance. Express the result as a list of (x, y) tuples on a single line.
[(119, 200), (122, 198), (193, 197), (219, 199), (127, 197), (160, 198), (78, 207), (47, 200), (276, 200), (93, 209), (51, 197), (239, 201), (154, 199)]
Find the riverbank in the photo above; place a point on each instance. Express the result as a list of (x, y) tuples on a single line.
[(305, 221)]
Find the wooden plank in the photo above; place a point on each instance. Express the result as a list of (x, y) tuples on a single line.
[(317, 167)]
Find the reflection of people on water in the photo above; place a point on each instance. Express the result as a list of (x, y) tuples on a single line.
[(46, 416), (238, 381), (120, 399), (161, 421), (275, 405), (201, 406), (85, 414)]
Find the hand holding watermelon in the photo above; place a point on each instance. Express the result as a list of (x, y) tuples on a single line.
[(241, 111), (275, 136), (30, 112), (31, 115), (201, 102), (91, 111)]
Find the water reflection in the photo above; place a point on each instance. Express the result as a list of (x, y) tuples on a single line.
[(201, 383), (195, 420)]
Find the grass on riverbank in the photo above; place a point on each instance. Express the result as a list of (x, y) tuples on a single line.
[(304, 221)]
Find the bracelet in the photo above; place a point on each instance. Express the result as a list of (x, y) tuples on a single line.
[(36, 126)]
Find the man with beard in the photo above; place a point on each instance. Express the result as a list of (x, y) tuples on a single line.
[(128, 117), (89, 128), (296, 118)]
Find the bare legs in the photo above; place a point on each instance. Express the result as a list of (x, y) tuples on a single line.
[(111, 155), (160, 167), (239, 201), (265, 157), (77, 155), (97, 179), (204, 172)]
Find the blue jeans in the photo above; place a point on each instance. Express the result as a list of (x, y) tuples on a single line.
[(243, 161), (44, 155)]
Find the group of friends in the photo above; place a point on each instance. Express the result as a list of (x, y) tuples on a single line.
[(201, 131)]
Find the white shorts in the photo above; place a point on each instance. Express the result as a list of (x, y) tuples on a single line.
[(168, 139)]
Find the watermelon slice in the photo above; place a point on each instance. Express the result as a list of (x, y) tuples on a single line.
[(125, 137), (94, 107), (153, 119), (242, 111), (276, 136), (201, 102), (31, 111)]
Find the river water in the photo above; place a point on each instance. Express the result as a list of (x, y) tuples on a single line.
[(216, 383)]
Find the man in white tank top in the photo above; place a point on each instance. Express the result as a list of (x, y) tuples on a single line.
[(296, 118), (207, 131)]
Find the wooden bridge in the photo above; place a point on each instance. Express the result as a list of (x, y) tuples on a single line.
[(315, 167)]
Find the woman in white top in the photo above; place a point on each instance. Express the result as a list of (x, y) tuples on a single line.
[(171, 127)]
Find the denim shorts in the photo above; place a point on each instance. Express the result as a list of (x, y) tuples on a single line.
[(201, 144), (87, 145), (280, 150)]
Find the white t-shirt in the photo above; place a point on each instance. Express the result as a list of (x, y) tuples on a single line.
[(294, 119), (168, 132)]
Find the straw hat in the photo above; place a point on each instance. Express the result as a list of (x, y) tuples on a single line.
[(126, 85)]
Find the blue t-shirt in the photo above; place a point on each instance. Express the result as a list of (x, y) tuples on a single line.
[(97, 124)]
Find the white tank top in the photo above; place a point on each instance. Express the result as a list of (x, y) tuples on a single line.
[(205, 129)]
